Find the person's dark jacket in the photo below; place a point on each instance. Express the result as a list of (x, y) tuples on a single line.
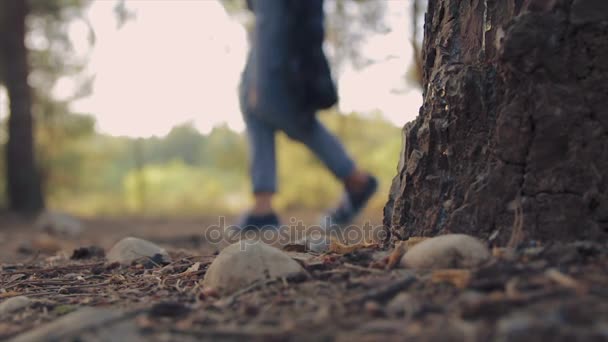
[(287, 58)]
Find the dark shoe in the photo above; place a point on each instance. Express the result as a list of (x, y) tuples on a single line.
[(258, 222), (251, 222), (351, 205)]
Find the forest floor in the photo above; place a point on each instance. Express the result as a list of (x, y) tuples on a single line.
[(539, 292)]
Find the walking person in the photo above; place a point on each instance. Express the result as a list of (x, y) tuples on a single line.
[(285, 82)]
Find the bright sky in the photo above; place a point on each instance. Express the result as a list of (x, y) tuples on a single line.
[(180, 61)]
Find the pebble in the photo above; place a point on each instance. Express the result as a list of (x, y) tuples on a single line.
[(58, 223), (246, 262), (446, 251), (132, 249), (14, 304)]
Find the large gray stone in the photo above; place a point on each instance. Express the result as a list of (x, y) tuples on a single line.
[(247, 261), (446, 251), (131, 249)]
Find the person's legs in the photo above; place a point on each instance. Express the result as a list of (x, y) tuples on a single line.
[(261, 138), (307, 129)]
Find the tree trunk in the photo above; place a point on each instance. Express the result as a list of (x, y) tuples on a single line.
[(23, 183), (511, 141)]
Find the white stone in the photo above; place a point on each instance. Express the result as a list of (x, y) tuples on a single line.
[(446, 251), (130, 249), (247, 261), (14, 304), (58, 223)]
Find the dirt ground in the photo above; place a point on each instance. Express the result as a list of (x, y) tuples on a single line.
[(536, 292)]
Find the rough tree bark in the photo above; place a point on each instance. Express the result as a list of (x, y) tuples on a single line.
[(512, 135), (23, 183)]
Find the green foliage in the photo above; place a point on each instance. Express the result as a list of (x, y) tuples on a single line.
[(177, 188), (188, 173), (51, 57), (226, 150), (184, 142)]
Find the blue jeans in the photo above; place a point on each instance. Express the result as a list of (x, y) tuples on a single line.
[(282, 114)]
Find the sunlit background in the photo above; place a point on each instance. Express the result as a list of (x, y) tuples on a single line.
[(141, 116)]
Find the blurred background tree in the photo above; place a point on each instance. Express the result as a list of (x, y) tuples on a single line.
[(22, 174), (36, 52)]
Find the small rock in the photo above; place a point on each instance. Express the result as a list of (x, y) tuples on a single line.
[(246, 262), (14, 304), (446, 251), (132, 249), (169, 309), (58, 223), (88, 253)]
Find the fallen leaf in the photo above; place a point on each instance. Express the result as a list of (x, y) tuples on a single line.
[(185, 324), (306, 260), (336, 246), (457, 277), (499, 252), (565, 280), (414, 240), (9, 294), (511, 290), (396, 255), (195, 267)]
